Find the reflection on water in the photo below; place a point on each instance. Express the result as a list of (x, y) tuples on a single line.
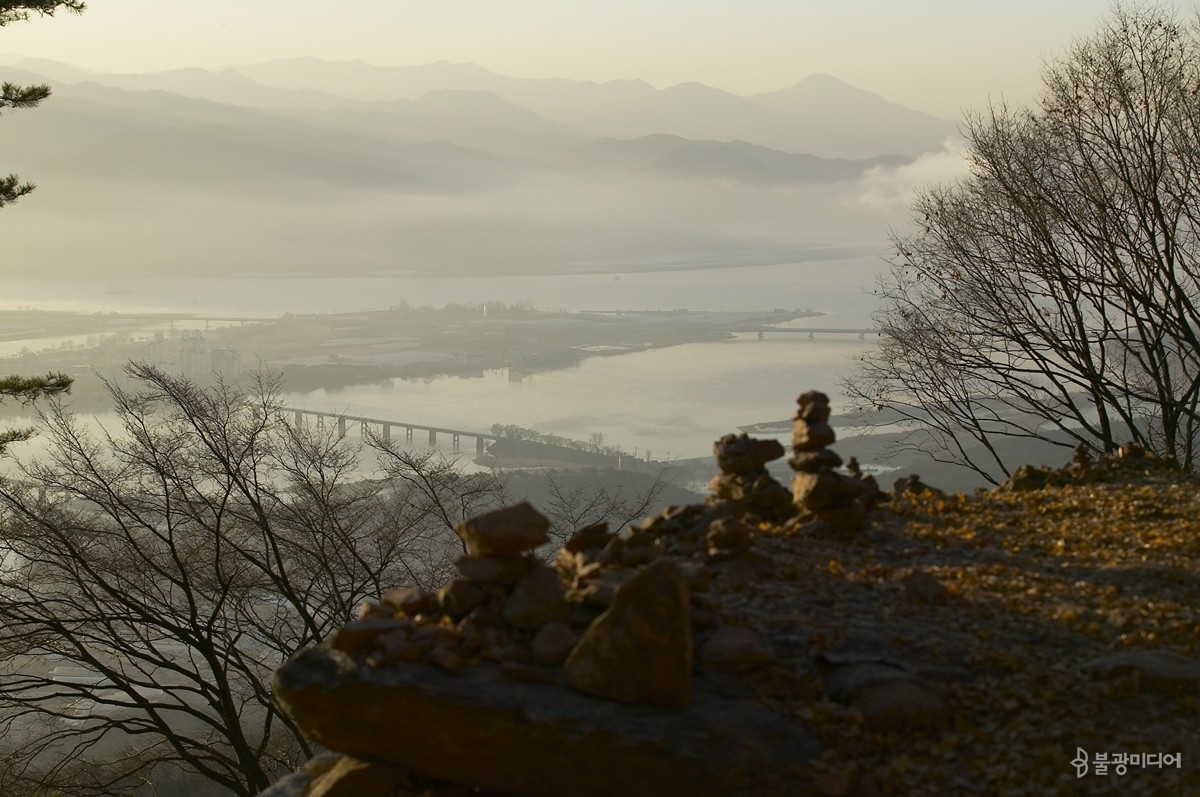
[(673, 401)]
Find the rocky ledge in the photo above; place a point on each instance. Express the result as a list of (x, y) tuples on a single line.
[(827, 640)]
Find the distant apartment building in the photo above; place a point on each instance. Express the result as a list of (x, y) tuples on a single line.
[(226, 361), (192, 355)]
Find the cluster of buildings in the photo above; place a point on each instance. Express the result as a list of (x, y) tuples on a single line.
[(191, 354), (184, 352)]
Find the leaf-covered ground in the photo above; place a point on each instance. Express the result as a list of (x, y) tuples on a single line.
[(1036, 584)]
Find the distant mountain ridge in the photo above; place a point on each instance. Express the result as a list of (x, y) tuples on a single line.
[(820, 115), (214, 171)]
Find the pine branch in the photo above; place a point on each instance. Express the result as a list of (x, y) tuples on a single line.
[(12, 189), (30, 388), (18, 11), (14, 96)]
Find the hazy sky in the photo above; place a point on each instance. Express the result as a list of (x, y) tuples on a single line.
[(936, 55)]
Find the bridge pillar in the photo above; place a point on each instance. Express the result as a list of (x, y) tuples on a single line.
[(387, 431), (432, 438), (364, 429), (811, 335), (455, 442), (299, 417), (408, 433), (341, 426), (478, 445), (320, 421)]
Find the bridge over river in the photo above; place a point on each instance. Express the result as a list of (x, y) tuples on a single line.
[(384, 428), (812, 332)]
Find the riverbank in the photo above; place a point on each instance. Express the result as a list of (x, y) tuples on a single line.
[(339, 350)]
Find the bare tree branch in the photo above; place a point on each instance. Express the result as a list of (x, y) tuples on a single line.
[(1052, 294)]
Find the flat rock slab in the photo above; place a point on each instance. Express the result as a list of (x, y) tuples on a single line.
[(1163, 669), (479, 729)]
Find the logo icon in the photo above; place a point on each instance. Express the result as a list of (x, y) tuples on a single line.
[(1080, 762)]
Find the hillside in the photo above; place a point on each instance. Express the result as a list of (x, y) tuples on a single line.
[(939, 644)]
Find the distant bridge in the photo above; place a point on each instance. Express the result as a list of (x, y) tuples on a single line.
[(207, 319), (812, 331), (385, 427)]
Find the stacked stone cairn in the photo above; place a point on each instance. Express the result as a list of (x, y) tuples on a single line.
[(744, 480), (502, 596), (612, 618), (513, 653), (516, 659), (827, 500)]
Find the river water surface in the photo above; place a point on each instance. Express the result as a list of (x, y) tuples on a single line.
[(673, 401)]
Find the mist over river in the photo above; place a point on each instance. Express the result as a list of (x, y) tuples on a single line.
[(671, 402)]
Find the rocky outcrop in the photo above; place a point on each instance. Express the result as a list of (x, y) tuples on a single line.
[(940, 622), (557, 682), (530, 679), (1127, 462), (611, 671), (483, 730)]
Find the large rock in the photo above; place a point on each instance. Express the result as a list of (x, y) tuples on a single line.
[(815, 461), (552, 644), (537, 600), (807, 436), (640, 649), (814, 407), (745, 454), (501, 570), (479, 729), (815, 491), (505, 532)]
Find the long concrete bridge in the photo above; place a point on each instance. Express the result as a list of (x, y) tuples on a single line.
[(385, 427), (812, 331)]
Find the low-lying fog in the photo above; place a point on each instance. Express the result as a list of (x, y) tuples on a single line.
[(194, 172)]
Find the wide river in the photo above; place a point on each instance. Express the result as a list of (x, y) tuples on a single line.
[(671, 402)]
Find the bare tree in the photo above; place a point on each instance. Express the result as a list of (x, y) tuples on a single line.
[(572, 507), (1052, 293), (433, 494), (154, 575)]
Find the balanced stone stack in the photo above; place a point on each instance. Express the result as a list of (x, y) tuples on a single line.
[(508, 677), (503, 595), (830, 500), (614, 615), (744, 478)]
